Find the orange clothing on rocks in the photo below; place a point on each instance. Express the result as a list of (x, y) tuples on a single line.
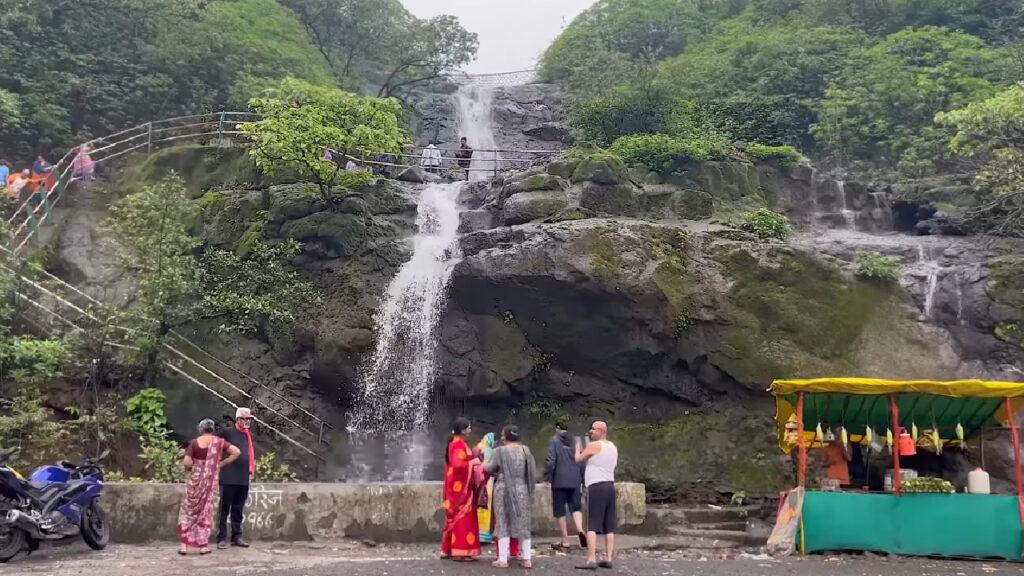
[(835, 463)]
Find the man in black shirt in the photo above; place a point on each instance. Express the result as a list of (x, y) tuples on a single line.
[(235, 479), (465, 156)]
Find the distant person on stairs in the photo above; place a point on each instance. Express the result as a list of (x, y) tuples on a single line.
[(16, 183), (601, 458), (5, 173), (235, 480), (566, 478), (83, 167)]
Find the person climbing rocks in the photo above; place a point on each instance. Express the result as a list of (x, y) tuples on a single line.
[(235, 479), (601, 457), (464, 156), (566, 478)]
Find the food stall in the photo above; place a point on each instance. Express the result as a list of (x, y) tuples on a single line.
[(905, 520)]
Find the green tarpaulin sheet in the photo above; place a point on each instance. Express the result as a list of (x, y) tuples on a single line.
[(954, 525)]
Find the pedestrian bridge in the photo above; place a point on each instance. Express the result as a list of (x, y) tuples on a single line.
[(516, 78)]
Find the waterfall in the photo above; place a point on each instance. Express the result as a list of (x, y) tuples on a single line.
[(475, 104), (387, 425), (396, 384), (931, 268), (849, 216)]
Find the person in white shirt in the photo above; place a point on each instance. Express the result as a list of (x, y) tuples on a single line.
[(431, 158), (601, 457)]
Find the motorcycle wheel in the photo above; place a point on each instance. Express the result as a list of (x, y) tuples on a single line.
[(12, 541), (95, 528)]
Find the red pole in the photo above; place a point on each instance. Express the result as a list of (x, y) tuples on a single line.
[(1016, 465), (800, 441), (895, 448)]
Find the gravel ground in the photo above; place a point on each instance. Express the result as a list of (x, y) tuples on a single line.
[(354, 559)]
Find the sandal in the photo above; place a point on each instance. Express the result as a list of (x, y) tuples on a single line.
[(204, 551), (499, 564), (526, 564), (183, 551)]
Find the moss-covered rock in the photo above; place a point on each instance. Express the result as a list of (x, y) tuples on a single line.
[(570, 214), (294, 201), (692, 205), (354, 205), (791, 315), (226, 215), (613, 199), (529, 206), (337, 234), (202, 168), (541, 182), (601, 168), (562, 168), (384, 196)]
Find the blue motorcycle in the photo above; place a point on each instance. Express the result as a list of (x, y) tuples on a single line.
[(56, 502)]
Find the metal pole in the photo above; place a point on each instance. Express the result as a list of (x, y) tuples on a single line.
[(149, 138), (1016, 465), (801, 442), (895, 412)]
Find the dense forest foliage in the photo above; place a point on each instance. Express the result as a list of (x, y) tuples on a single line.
[(861, 84), (73, 70)]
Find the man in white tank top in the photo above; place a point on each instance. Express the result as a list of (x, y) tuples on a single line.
[(601, 458)]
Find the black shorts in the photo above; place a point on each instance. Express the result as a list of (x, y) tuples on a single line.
[(561, 498), (601, 516)]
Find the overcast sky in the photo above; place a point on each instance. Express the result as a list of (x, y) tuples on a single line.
[(513, 33)]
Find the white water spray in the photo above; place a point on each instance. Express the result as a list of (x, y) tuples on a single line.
[(931, 268), (396, 384), (475, 104), (392, 408)]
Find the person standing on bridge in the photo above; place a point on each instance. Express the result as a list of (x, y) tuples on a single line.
[(204, 458), (431, 159), (464, 156), (235, 480), (601, 458)]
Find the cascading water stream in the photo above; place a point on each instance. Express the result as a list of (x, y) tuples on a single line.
[(392, 410)]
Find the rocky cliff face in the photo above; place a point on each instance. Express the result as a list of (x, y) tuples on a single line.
[(591, 289)]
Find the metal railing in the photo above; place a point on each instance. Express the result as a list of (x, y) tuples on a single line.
[(34, 210), (63, 304), (75, 311)]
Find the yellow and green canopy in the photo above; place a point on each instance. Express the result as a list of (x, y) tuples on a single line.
[(857, 403)]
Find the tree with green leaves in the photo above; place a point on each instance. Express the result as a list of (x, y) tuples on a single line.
[(991, 134), (881, 105), (259, 288), (177, 286), (425, 51), (151, 228), (300, 121)]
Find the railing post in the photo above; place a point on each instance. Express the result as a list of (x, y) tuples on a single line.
[(220, 127), (149, 138), (33, 224)]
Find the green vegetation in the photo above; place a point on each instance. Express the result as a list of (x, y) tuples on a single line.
[(992, 132), (175, 287), (873, 266), (160, 454), (268, 469), (665, 154), (767, 224), (874, 86), (78, 70), (301, 120)]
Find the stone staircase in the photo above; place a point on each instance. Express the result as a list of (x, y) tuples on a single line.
[(709, 529)]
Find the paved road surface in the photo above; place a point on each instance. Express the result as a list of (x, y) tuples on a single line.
[(352, 559)]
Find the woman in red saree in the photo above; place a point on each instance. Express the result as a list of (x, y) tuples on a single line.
[(461, 537), (204, 457)]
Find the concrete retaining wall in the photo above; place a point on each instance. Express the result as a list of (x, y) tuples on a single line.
[(296, 512)]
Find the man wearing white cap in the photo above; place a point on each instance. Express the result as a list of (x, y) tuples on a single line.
[(235, 479)]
